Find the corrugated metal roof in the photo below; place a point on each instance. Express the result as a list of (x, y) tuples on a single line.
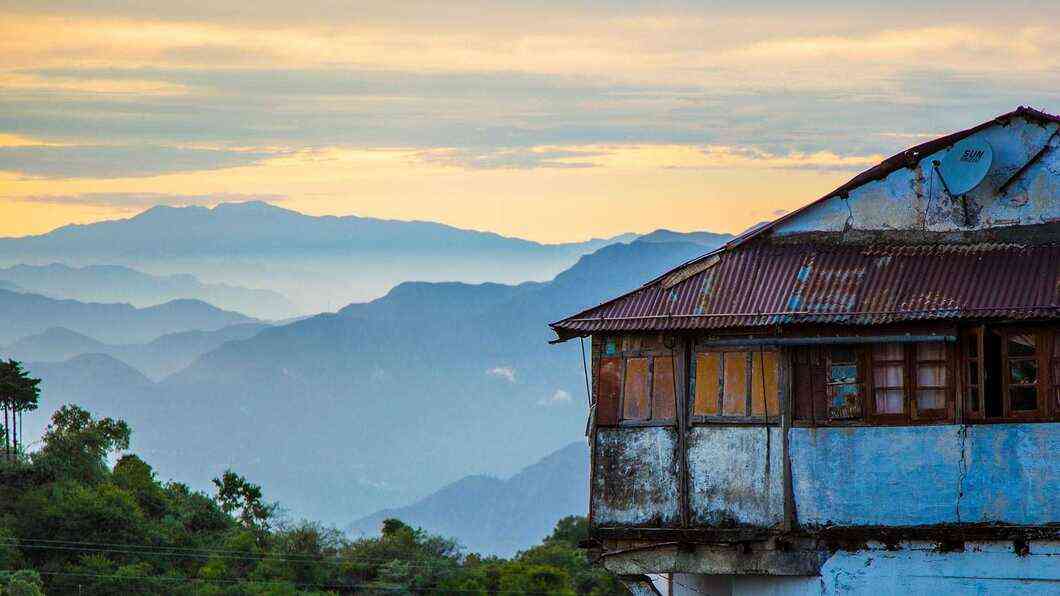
[(764, 285)]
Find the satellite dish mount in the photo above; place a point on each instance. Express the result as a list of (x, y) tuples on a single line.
[(964, 167)]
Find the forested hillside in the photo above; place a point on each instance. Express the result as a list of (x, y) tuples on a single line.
[(71, 523)]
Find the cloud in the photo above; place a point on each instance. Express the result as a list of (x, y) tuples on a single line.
[(143, 199), (120, 161), (503, 372), (521, 158), (558, 397)]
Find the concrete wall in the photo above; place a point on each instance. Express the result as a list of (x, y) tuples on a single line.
[(736, 476), (988, 568), (925, 475), (913, 198), (635, 478)]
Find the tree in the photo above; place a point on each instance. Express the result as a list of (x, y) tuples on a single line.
[(237, 496), (18, 393), (76, 446)]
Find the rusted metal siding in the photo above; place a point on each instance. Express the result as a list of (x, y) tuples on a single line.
[(767, 285), (635, 478)]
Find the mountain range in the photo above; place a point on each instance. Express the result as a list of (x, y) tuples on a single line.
[(23, 314), (157, 358), (494, 516), (116, 283), (341, 414), (319, 262)]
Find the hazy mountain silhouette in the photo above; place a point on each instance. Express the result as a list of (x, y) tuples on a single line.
[(115, 283), (499, 517), (156, 359), (382, 402), (342, 414), (310, 259), (23, 314)]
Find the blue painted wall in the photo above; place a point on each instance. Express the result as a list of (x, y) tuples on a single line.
[(925, 475)]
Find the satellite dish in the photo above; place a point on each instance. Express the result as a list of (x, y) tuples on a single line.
[(965, 165)]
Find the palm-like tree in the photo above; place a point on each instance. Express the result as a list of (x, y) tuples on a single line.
[(18, 393)]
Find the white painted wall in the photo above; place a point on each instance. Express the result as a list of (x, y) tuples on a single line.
[(983, 568)]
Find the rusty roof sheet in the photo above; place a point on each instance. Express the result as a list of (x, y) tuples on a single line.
[(762, 285)]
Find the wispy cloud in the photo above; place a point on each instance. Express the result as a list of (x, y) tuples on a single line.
[(521, 158), (502, 372), (120, 161), (558, 397), (139, 200)]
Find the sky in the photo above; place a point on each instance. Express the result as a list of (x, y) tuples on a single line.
[(549, 120)]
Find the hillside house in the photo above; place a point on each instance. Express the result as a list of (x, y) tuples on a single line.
[(861, 397)]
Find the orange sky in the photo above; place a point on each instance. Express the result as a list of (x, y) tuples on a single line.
[(539, 120)]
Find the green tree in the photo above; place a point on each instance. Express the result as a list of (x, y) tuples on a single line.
[(237, 496), (76, 446), (18, 393)]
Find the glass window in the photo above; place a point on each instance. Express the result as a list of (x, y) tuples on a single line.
[(1021, 371), (888, 378), (844, 388), (932, 376)]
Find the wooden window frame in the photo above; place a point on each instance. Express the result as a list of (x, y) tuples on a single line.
[(885, 418), (946, 412), (965, 359), (651, 355), (769, 417), (860, 363), (1041, 357), (1053, 379)]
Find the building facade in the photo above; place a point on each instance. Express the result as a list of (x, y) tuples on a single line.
[(860, 397)]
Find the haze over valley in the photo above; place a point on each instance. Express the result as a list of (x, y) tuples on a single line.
[(444, 386)]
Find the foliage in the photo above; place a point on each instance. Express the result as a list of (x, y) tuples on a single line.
[(71, 524), (18, 393)]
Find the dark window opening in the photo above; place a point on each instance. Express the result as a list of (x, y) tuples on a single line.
[(844, 384), (991, 359)]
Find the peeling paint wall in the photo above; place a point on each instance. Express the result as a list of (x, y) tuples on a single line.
[(635, 478), (736, 476), (914, 198), (989, 568), (925, 475)]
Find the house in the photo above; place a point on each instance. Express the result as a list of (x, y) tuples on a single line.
[(861, 397)]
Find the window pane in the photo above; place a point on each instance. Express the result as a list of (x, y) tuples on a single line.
[(708, 377), (844, 401), (635, 396), (1021, 345), (973, 373), (973, 399), (1024, 398), (663, 400), (931, 351), (1024, 372), (889, 376), (843, 373), (887, 352), (930, 399), (764, 388), (931, 375), (734, 403), (890, 401)]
